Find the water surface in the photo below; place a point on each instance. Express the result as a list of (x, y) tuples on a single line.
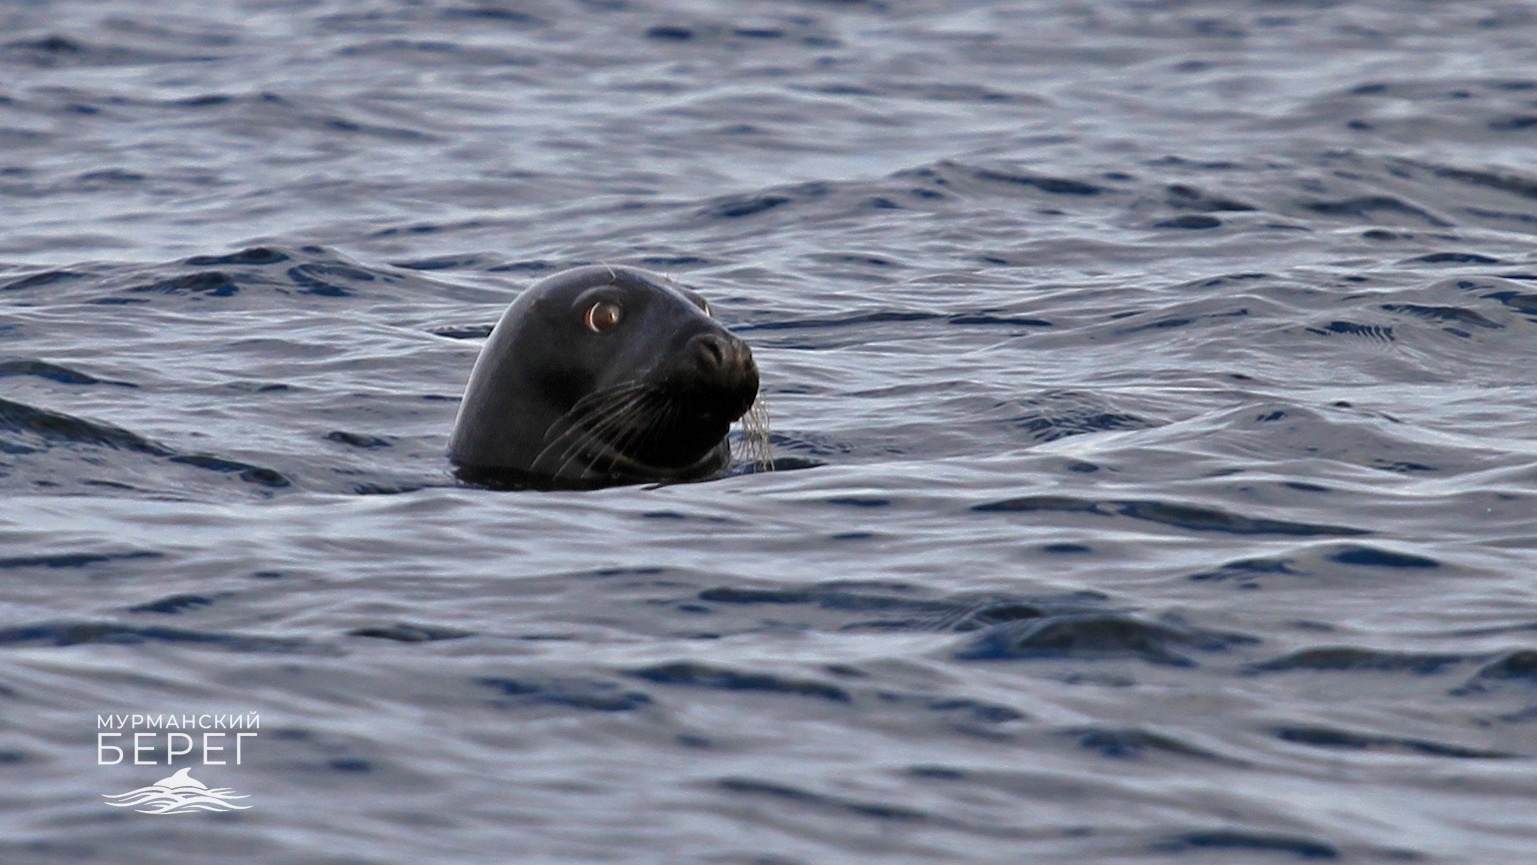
[(1168, 365)]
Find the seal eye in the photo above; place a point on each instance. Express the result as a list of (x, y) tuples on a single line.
[(603, 315)]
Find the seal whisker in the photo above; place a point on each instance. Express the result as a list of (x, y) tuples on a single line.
[(619, 450), (580, 420), (661, 417), (595, 402), (582, 438), (618, 423), (756, 446), (599, 433)]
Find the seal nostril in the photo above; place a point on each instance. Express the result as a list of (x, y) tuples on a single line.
[(712, 351)]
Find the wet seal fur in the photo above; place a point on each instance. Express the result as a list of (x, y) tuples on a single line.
[(600, 376)]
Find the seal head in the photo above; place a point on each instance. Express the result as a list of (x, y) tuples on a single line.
[(600, 376)]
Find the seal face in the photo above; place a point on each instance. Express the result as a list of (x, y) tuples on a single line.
[(600, 376)]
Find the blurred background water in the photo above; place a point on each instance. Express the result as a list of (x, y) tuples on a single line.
[(1169, 365)]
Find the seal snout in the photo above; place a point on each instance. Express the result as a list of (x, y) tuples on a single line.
[(720, 366)]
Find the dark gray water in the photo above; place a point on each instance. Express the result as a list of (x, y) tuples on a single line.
[(1169, 365)]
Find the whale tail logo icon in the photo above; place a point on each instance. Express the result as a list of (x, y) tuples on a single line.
[(179, 794)]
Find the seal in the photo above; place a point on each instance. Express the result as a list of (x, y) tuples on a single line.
[(601, 376)]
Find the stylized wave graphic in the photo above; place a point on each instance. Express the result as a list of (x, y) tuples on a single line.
[(178, 794)]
